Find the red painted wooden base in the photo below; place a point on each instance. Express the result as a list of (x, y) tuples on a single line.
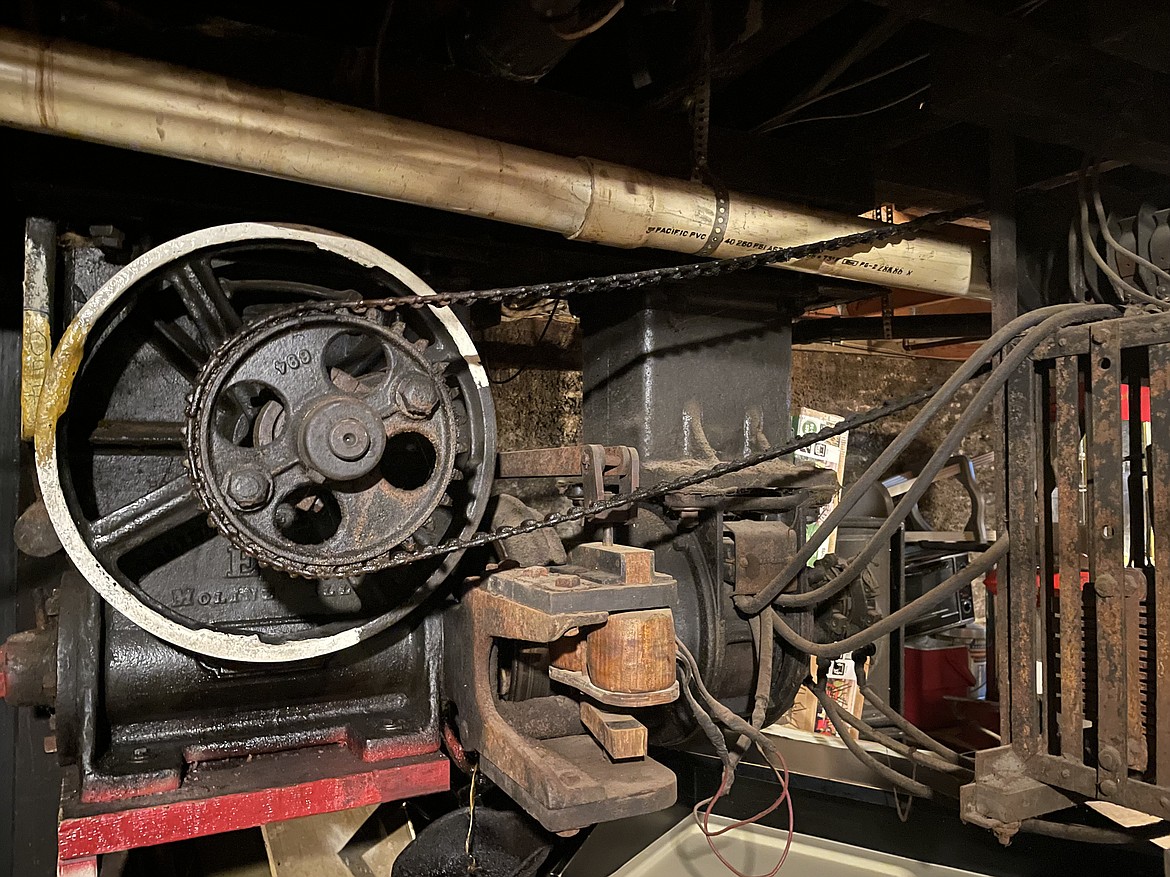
[(219, 797)]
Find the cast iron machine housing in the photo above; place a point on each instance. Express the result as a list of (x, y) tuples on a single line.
[(239, 440), (232, 482)]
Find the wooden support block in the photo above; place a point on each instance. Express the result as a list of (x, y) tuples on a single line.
[(633, 652), (620, 736)]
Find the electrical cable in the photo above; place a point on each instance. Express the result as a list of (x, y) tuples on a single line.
[(690, 672), (914, 732), (950, 444), (919, 756), (1114, 244), (765, 127), (856, 491), (869, 112), (885, 771), (982, 564), (1120, 285)]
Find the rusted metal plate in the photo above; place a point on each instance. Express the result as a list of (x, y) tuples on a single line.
[(762, 550), (1137, 331), (574, 590), (1159, 356), (562, 462), (1104, 452), (1067, 466), (1022, 477)]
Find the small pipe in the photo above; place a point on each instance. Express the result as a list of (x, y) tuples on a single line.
[(75, 91)]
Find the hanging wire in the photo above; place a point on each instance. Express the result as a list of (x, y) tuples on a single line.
[(776, 121), (713, 712), (1125, 290), (869, 112), (468, 846)]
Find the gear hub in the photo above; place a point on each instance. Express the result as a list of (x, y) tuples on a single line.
[(334, 435)]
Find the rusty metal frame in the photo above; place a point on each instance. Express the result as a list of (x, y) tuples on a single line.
[(1085, 628), (595, 465), (561, 776)]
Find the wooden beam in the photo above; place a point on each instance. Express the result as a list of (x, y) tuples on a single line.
[(620, 736)]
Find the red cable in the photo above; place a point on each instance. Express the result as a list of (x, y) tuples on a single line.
[(704, 826)]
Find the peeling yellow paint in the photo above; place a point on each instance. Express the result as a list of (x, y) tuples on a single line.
[(35, 355), (54, 396)]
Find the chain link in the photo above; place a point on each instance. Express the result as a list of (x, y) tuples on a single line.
[(608, 283)]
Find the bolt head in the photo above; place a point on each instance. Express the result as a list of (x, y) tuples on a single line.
[(1105, 586), (249, 488), (349, 440), (419, 395), (1109, 788)]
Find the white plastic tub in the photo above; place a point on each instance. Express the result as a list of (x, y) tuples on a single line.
[(755, 849)]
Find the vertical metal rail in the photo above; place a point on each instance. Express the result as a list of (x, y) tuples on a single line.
[(1022, 482), (1067, 466), (1046, 630), (1160, 511), (1105, 556)]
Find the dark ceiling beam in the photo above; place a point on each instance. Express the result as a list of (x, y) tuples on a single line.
[(1006, 74), (653, 140), (768, 27), (878, 35), (1130, 29), (1109, 109)]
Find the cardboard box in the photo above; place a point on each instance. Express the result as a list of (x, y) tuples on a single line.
[(841, 684)]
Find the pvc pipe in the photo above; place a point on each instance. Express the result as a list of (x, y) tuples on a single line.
[(105, 97)]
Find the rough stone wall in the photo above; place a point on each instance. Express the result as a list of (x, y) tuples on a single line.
[(541, 407), (846, 383)]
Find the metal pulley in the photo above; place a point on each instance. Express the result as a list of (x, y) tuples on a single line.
[(300, 445)]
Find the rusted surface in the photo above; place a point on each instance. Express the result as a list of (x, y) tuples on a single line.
[(576, 589), (603, 471), (28, 666), (631, 566), (1021, 585), (1067, 466), (761, 549), (1134, 594), (566, 782), (621, 736), (1104, 451), (1160, 505), (625, 700), (1114, 720), (560, 462)]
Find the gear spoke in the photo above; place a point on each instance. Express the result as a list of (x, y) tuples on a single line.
[(207, 304), (136, 436), (154, 514)]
